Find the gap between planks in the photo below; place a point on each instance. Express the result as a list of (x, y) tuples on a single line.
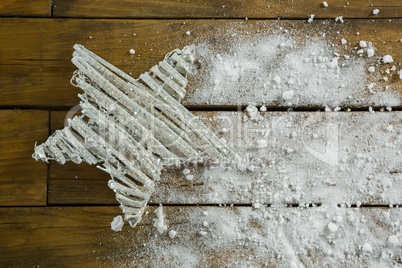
[(289, 206), (228, 108), (200, 19), (153, 205)]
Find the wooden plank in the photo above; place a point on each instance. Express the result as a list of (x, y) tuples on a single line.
[(295, 167), (229, 9), (242, 236), (35, 53), (25, 8), (23, 180)]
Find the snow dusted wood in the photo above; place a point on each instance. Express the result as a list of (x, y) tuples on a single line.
[(37, 71), (102, 136), (274, 237), (295, 167), (229, 9)]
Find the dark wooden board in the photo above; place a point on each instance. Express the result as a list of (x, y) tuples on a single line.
[(299, 9), (35, 54), (23, 180), (25, 8)]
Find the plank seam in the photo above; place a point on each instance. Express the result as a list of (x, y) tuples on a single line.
[(224, 205), (48, 165), (218, 108), (194, 18)]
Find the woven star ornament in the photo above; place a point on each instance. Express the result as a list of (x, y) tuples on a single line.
[(132, 128)]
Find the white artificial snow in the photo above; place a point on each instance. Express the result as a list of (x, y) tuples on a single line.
[(333, 64), (311, 18), (277, 79), (203, 233), (400, 74), (390, 128), (363, 44), (340, 19), (387, 59), (343, 41), (287, 95), (269, 237), (205, 223), (117, 223), (376, 11), (370, 52), (172, 234), (132, 51), (264, 109), (332, 227), (393, 240), (188, 32), (261, 68), (186, 171), (257, 205), (371, 69), (367, 247), (253, 112), (287, 170), (262, 143), (159, 222), (325, 4), (189, 177)]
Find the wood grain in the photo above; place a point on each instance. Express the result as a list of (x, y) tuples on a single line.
[(367, 170), (81, 237), (227, 9), (25, 8), (23, 180), (35, 53)]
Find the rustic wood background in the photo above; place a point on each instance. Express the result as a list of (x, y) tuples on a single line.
[(44, 208)]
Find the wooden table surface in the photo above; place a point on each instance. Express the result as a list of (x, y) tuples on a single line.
[(53, 215)]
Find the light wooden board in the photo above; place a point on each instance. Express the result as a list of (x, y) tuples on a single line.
[(25, 8), (23, 180), (294, 168), (35, 53), (228, 9), (240, 236)]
